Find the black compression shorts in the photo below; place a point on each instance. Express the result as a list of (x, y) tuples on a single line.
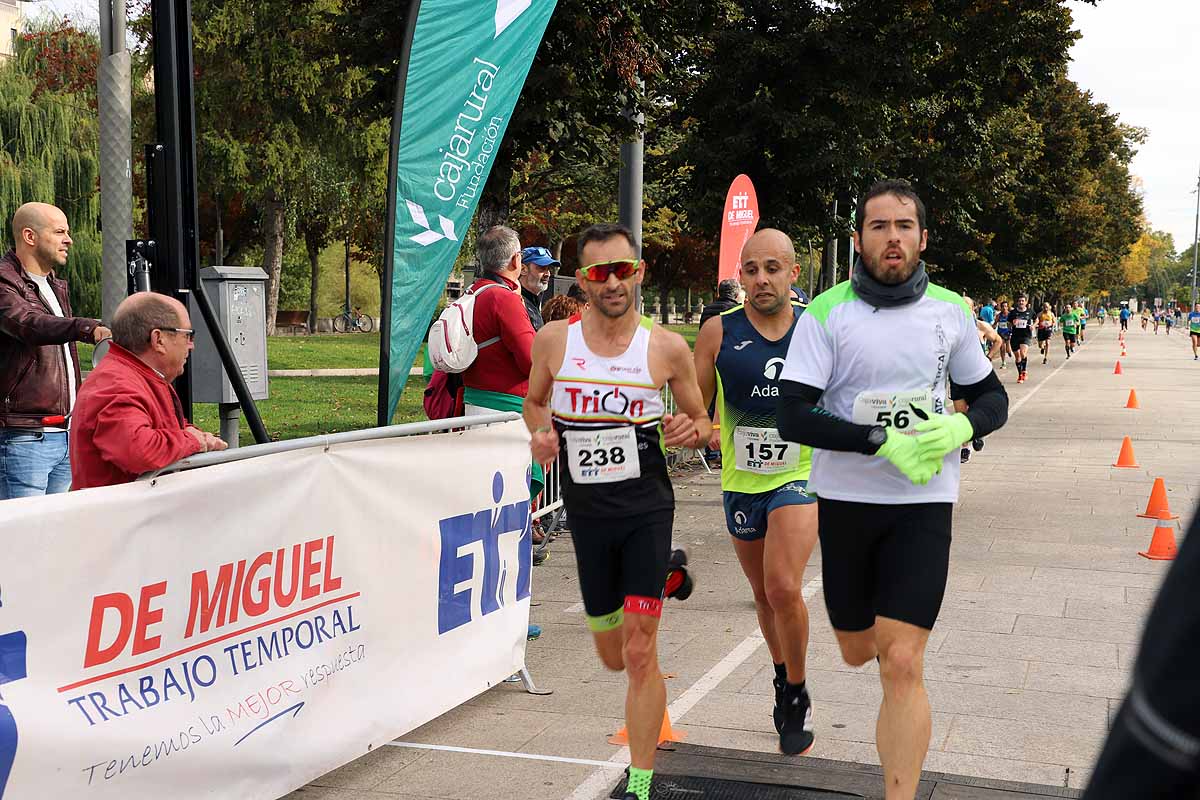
[(620, 557), (883, 560)]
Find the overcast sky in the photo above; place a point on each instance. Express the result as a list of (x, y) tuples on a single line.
[(1140, 57)]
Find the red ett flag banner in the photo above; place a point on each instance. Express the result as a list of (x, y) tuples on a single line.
[(738, 223)]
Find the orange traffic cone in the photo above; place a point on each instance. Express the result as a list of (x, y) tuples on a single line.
[(665, 734), (1117, 369), (1132, 401), (1125, 459), (1123, 353), (1157, 503), (1162, 544)]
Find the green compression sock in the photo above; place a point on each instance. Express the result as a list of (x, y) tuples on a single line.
[(639, 782)]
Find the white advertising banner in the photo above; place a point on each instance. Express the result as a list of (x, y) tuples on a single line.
[(241, 629)]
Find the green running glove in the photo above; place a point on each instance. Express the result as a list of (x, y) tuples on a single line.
[(902, 451), (941, 434)]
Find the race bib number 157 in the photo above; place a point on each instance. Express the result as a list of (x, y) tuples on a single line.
[(761, 450)]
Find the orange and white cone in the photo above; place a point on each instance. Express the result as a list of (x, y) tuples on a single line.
[(1162, 544)]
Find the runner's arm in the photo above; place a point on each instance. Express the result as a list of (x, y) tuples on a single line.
[(688, 402), (987, 404), (535, 409), (708, 342), (991, 337), (800, 419)]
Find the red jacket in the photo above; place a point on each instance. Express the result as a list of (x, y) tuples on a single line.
[(504, 366), (127, 421)]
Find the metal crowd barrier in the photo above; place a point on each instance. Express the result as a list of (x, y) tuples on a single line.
[(328, 440)]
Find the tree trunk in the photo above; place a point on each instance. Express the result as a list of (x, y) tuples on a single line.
[(314, 281), (272, 255), (496, 201), (663, 294)]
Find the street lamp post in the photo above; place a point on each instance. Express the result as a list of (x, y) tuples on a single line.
[(1195, 240)]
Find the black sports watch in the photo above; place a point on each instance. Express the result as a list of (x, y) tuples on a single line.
[(876, 437)]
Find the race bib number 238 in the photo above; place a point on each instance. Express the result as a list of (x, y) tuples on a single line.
[(604, 456)]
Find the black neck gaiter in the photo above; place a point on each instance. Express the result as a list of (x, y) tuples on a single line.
[(882, 295)]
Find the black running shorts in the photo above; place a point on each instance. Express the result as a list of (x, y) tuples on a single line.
[(621, 556), (883, 560), (1020, 339), (1069, 337)]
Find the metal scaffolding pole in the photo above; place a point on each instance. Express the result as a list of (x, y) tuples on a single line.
[(116, 175)]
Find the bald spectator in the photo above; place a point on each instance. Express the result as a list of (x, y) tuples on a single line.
[(128, 419), (39, 366)]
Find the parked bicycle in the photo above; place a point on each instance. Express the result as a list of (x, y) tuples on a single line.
[(353, 322)]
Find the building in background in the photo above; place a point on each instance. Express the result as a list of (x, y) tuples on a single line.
[(11, 21)]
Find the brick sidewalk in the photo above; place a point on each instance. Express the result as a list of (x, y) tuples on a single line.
[(1026, 666)]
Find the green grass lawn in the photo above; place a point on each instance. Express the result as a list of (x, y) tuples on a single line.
[(301, 407)]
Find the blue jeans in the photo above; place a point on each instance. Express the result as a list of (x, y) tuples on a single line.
[(33, 463)]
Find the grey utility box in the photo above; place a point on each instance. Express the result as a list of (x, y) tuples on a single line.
[(239, 298)]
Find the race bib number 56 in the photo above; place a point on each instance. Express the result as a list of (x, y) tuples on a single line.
[(899, 410), (605, 456)]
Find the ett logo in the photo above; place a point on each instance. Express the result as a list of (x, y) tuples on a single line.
[(486, 560)]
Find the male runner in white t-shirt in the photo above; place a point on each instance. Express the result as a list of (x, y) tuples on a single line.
[(865, 385)]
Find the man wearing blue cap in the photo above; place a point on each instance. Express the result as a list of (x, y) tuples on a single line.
[(536, 266)]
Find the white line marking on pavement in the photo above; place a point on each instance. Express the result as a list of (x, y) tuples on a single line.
[(599, 782), (1025, 399), (575, 609), (608, 765)]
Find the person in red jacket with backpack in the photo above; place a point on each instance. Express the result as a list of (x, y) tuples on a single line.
[(498, 379)]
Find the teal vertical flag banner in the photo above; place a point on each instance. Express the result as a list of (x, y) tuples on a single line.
[(461, 76)]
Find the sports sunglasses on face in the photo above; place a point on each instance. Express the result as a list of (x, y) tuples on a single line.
[(599, 272)]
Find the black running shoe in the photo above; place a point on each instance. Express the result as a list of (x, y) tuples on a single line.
[(679, 583), (795, 734), (977, 444), (780, 696), (964, 455)]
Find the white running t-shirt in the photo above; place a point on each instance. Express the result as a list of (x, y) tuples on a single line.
[(43, 284), (884, 366)]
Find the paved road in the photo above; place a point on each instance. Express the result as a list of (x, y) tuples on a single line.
[(1026, 666)]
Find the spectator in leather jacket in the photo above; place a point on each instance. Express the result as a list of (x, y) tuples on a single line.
[(39, 365)]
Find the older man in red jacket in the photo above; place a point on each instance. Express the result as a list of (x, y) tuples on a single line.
[(128, 419)]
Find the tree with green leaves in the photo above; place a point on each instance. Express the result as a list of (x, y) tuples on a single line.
[(1025, 178), (49, 146), (269, 91)]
